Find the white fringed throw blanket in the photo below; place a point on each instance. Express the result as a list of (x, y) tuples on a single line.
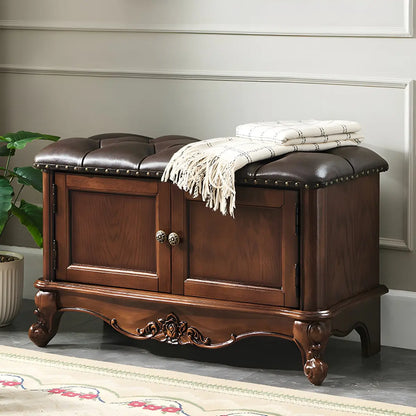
[(208, 167)]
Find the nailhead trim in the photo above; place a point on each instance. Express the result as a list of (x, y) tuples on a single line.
[(252, 180)]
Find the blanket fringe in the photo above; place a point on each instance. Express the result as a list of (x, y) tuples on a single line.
[(211, 178)]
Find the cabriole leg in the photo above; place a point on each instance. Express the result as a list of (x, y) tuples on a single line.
[(48, 317), (311, 339)]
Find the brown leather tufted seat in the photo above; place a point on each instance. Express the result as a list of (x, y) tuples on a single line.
[(124, 154)]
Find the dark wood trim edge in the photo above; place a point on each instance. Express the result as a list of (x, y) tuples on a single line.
[(168, 299)]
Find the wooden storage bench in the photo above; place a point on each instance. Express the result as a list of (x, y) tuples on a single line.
[(299, 261)]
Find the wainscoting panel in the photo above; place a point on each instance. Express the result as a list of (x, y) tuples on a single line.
[(325, 57), (386, 18)]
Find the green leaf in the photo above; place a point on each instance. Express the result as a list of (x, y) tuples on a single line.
[(6, 194), (29, 176), (20, 139), (30, 216)]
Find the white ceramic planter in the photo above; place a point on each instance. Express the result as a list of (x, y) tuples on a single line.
[(11, 288)]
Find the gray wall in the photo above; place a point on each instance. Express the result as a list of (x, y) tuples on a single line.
[(200, 68)]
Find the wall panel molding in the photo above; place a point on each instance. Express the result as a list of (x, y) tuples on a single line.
[(410, 160), (404, 30), (392, 243), (405, 85), (231, 76)]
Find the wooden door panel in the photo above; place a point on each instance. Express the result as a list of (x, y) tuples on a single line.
[(105, 230), (103, 234), (222, 248), (250, 258)]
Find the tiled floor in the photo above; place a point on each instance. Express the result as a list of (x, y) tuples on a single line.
[(389, 376)]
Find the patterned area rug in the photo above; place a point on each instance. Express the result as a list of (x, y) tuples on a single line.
[(35, 383)]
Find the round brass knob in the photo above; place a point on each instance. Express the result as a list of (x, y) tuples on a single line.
[(160, 236), (174, 239)]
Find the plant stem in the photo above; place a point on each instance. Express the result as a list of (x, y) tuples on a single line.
[(7, 164), (18, 194)]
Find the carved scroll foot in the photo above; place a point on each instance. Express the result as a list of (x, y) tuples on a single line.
[(311, 339), (48, 317)]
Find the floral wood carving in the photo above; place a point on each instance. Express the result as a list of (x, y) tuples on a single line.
[(173, 331), (170, 330)]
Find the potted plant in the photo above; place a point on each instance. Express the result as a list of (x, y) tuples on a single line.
[(30, 215)]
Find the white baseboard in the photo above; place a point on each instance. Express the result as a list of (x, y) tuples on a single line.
[(398, 307), (398, 325)]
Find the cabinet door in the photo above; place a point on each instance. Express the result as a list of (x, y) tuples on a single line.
[(105, 232), (251, 258)]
